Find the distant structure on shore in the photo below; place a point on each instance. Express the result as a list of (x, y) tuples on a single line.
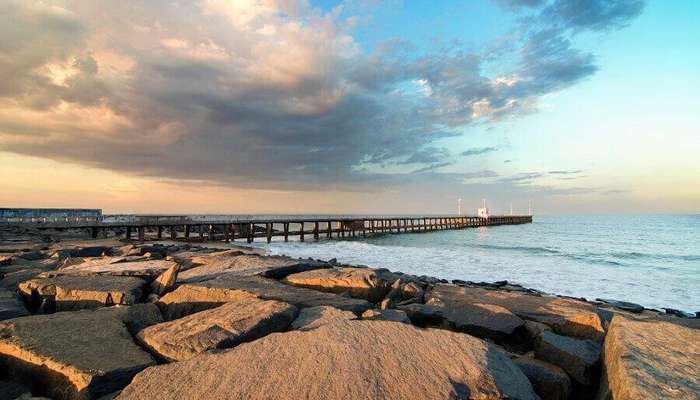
[(50, 215), (483, 212)]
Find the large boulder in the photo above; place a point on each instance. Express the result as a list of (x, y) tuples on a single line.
[(226, 326), (73, 355), (549, 381), (202, 295), (363, 283), (565, 316), (277, 267), (579, 358), (482, 320), (313, 317), (423, 314), (342, 360), (651, 360), (113, 266), (10, 305), (67, 293)]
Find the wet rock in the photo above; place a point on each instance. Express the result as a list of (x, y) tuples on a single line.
[(74, 355), (423, 314), (362, 283), (387, 315), (623, 305), (481, 320), (313, 317), (222, 327), (276, 267), (10, 305), (343, 360), (579, 358), (70, 293), (549, 381), (202, 295), (650, 360), (564, 316), (678, 313)]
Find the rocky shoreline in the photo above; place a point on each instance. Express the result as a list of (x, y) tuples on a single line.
[(109, 319)]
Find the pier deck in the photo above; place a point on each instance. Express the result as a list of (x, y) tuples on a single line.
[(248, 228)]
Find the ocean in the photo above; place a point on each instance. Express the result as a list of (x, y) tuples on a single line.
[(652, 260)]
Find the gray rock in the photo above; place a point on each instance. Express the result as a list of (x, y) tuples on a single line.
[(624, 305), (579, 358), (549, 381), (10, 305)]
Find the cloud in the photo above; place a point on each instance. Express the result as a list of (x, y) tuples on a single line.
[(263, 94), (478, 151), (564, 172)]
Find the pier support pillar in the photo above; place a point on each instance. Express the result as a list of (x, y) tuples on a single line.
[(160, 232), (316, 230), (268, 230), (142, 233), (301, 231), (330, 230), (201, 232), (93, 232), (286, 231), (128, 233), (187, 232), (173, 232), (251, 232), (227, 233)]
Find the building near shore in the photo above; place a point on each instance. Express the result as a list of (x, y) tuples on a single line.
[(12, 215)]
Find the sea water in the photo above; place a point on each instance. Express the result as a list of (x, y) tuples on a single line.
[(650, 260)]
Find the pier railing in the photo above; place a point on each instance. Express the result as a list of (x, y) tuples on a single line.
[(232, 227)]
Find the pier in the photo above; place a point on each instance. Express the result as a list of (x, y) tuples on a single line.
[(249, 228)]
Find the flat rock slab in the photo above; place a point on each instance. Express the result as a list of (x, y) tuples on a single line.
[(651, 360), (362, 283), (343, 360), (70, 293), (579, 358), (149, 270), (565, 316), (200, 296), (489, 321), (226, 326), (74, 355), (277, 267), (549, 381), (313, 317), (10, 305)]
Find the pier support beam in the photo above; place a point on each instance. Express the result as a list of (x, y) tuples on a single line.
[(142, 233)]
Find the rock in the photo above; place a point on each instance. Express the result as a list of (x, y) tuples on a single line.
[(13, 389), (222, 327), (5, 260), (579, 358), (139, 316), (678, 313), (412, 290), (32, 255), (343, 360), (200, 296), (423, 314), (363, 283), (387, 315), (148, 270), (165, 281), (313, 317), (565, 316), (623, 305), (212, 266), (534, 329), (481, 320), (93, 251), (549, 381), (650, 360), (12, 280), (10, 305), (69, 293), (74, 355)]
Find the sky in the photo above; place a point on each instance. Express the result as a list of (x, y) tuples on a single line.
[(355, 106)]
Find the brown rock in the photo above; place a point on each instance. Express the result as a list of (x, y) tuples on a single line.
[(226, 326), (69, 293), (423, 314), (362, 283), (212, 266), (651, 360), (565, 316), (386, 315), (550, 382), (343, 360), (203, 295), (10, 305), (482, 320), (165, 281), (148, 270), (313, 317), (579, 358), (75, 355)]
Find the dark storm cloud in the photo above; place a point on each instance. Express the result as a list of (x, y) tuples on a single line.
[(265, 99), (478, 151)]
